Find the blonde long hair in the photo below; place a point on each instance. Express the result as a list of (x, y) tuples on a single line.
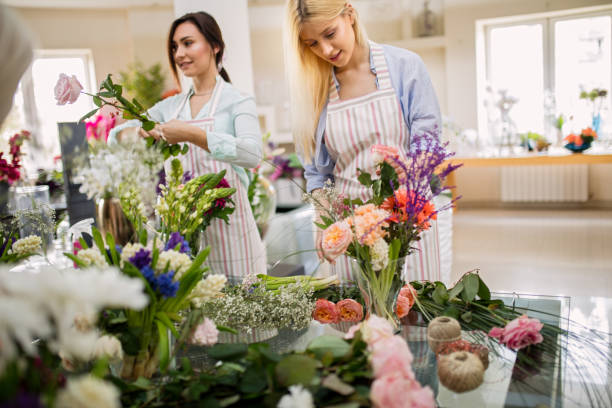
[(308, 75)]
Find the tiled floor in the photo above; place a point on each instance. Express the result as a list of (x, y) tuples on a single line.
[(538, 252)]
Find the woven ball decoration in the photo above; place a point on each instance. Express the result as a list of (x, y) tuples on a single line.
[(461, 345), (442, 330), (460, 371)]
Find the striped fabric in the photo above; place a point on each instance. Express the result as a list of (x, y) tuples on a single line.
[(352, 127), (236, 249)]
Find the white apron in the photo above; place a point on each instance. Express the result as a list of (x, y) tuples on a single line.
[(236, 248), (353, 126)]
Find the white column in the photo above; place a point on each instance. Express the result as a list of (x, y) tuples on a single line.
[(233, 18)]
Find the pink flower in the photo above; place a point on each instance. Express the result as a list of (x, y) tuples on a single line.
[(325, 312), (395, 391), (351, 331), (349, 310), (381, 152), (403, 306), (67, 89), (375, 329), (336, 239), (519, 333), (391, 355), (206, 334), (99, 127)]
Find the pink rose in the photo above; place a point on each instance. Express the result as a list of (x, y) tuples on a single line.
[(380, 152), (391, 355), (336, 239), (395, 391), (325, 312), (376, 328), (67, 89), (403, 306), (206, 334), (349, 310), (351, 331), (519, 333)]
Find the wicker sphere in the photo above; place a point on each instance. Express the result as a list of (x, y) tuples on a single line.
[(460, 371), (441, 330)]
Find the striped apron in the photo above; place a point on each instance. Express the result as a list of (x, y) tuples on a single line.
[(236, 249), (352, 127)]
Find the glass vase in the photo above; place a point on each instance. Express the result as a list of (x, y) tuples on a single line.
[(111, 219), (380, 288)]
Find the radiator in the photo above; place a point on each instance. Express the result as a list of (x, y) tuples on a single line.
[(545, 183)]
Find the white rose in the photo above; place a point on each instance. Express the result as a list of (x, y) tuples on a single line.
[(86, 392), (109, 347)]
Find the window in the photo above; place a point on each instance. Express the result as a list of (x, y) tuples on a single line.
[(544, 62), (35, 107)]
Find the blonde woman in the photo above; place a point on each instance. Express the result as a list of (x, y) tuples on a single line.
[(348, 93), (220, 125)]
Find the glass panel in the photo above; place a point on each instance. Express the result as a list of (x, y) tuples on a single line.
[(516, 66), (583, 62), (45, 72)]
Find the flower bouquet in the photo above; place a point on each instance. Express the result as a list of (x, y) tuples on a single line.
[(380, 233), (578, 143), (10, 171)]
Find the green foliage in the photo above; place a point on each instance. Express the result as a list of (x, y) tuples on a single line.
[(594, 94), (146, 84)]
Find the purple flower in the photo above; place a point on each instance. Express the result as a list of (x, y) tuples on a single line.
[(175, 239), (219, 202), (162, 181), (23, 399), (149, 275), (166, 286), (187, 176), (141, 258)]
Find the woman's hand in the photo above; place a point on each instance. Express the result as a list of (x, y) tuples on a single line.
[(177, 131)]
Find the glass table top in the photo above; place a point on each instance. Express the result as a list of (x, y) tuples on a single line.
[(558, 381)]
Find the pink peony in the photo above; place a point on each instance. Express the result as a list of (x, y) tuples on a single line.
[(403, 306), (391, 355), (349, 310), (380, 152), (325, 312), (67, 89), (519, 333), (336, 239), (376, 328), (206, 334), (395, 391), (351, 331)]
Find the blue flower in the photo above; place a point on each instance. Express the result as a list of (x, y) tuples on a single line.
[(118, 249), (149, 275), (166, 286), (175, 239), (141, 258)]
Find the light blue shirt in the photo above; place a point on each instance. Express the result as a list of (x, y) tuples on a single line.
[(236, 138), (417, 97)]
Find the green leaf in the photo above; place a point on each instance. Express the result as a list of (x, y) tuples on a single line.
[(471, 283), (440, 294), (106, 94), (113, 248), (185, 149), (118, 91), (226, 402), (226, 329), (88, 115), (148, 125), (483, 290), (164, 352), (456, 290), (364, 178), (296, 369), (76, 260), (451, 311), (163, 317), (254, 380), (97, 238), (228, 351), (466, 317), (334, 383), (329, 344), (97, 101)]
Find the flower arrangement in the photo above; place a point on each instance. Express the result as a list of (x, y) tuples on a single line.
[(189, 207), (379, 233), (49, 302), (169, 277), (68, 89), (10, 171), (582, 141)]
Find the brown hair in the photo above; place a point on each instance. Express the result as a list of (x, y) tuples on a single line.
[(211, 32)]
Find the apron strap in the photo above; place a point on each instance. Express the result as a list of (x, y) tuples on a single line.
[(380, 65)]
